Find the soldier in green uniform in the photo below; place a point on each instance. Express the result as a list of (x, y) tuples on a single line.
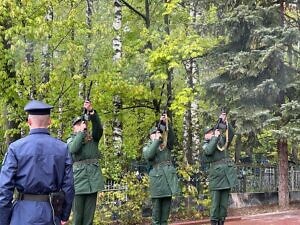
[(222, 173), (88, 179), (163, 177)]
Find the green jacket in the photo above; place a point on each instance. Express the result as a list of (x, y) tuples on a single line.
[(163, 176), (88, 177), (222, 172)]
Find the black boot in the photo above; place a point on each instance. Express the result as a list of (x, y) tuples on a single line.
[(214, 222), (221, 222)]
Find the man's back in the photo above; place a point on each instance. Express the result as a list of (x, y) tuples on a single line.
[(37, 164), (41, 161)]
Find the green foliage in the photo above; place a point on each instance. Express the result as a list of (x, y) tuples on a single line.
[(253, 71), (195, 198), (180, 101), (178, 47), (126, 205), (267, 146)]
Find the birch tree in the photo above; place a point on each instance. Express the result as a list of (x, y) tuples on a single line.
[(117, 100), (46, 52), (191, 129)]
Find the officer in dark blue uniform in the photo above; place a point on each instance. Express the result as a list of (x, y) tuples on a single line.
[(39, 167)]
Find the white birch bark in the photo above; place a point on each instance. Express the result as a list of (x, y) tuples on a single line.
[(117, 125), (195, 129), (191, 129), (187, 141), (29, 59), (117, 25), (61, 124), (46, 55)]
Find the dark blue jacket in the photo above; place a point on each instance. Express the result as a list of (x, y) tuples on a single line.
[(36, 164)]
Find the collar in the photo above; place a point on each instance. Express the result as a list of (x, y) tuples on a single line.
[(39, 131)]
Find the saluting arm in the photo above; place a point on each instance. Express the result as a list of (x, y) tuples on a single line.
[(97, 129), (211, 146), (75, 143), (150, 150)]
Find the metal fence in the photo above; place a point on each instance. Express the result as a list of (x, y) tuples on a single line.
[(114, 193), (251, 178), (264, 179)]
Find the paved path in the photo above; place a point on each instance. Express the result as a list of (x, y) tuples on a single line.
[(291, 217), (277, 218)]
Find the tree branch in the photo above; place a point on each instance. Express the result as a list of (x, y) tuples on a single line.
[(293, 19), (132, 107), (62, 91), (61, 40), (134, 10)]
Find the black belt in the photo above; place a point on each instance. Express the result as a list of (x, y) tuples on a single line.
[(219, 162), (86, 161), (163, 163), (32, 197)]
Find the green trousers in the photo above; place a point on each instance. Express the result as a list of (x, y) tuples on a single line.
[(219, 204), (161, 210), (84, 209)]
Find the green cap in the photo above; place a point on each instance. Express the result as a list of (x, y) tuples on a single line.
[(207, 129), (76, 120), (152, 130)]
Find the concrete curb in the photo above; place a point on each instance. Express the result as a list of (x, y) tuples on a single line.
[(205, 221)]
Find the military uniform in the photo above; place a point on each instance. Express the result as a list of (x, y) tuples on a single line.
[(222, 176), (87, 171), (163, 177), (36, 165)]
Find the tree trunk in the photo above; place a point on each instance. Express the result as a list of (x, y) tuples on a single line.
[(251, 141), (282, 149), (195, 114), (238, 148), (192, 130), (192, 71), (117, 25), (295, 148), (117, 125), (283, 192), (46, 67), (29, 59), (187, 137), (61, 124)]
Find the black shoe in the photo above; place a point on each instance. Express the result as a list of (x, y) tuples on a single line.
[(221, 222), (214, 222)]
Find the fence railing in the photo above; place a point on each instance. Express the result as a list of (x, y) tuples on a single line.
[(251, 178), (264, 179), (114, 193)]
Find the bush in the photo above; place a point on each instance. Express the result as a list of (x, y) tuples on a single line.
[(123, 206)]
